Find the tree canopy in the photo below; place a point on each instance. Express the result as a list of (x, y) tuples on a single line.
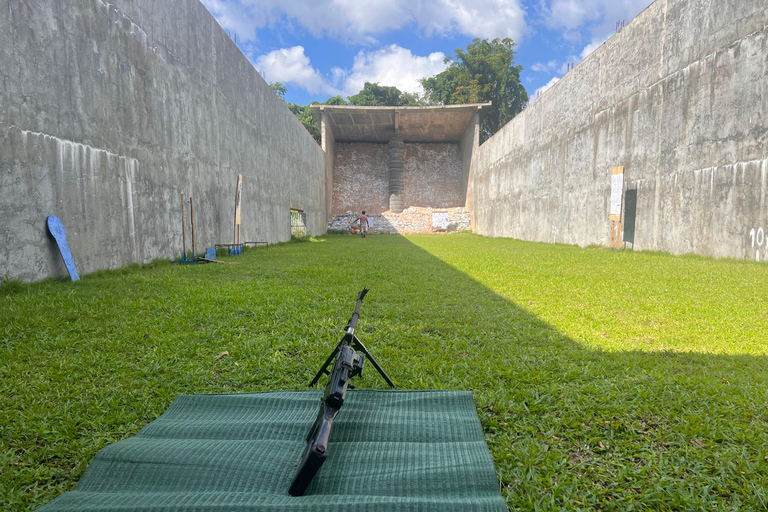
[(304, 114), (484, 72), (374, 95), (279, 89)]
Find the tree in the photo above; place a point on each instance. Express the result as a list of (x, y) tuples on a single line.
[(279, 89), (374, 95), (304, 114), (336, 100), (485, 72)]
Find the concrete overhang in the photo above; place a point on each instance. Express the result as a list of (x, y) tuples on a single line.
[(416, 124)]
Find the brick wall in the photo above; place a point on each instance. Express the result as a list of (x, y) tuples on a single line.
[(360, 178), (432, 177)]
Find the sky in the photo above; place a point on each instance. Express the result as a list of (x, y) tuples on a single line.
[(324, 48)]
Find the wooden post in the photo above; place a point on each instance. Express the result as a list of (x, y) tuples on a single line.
[(617, 196), (192, 215), (183, 227), (238, 193)]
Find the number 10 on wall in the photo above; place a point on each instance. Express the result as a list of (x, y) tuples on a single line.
[(758, 240)]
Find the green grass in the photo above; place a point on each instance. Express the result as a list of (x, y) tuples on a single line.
[(604, 381)]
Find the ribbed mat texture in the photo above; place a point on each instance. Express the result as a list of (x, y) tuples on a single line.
[(389, 450)]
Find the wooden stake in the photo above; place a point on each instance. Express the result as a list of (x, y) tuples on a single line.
[(192, 214), (183, 226), (238, 191)]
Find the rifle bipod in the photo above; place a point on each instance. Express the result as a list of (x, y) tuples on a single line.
[(358, 346)]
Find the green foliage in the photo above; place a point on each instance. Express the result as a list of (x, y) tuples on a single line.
[(279, 89), (484, 72), (304, 114), (374, 95), (336, 100), (604, 381)]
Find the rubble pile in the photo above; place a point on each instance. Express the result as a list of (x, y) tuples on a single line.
[(413, 220)]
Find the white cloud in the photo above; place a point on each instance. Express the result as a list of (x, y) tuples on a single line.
[(362, 21), (570, 14), (541, 67), (291, 66), (602, 15), (597, 17), (476, 18), (544, 88), (233, 17), (594, 45), (392, 66)]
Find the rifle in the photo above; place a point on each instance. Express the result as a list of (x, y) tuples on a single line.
[(350, 355)]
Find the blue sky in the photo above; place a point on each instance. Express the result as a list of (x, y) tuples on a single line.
[(321, 48)]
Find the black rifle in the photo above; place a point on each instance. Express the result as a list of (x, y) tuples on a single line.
[(348, 364)]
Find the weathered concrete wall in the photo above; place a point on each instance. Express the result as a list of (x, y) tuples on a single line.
[(432, 176), (110, 110), (679, 98), (328, 143), (468, 145)]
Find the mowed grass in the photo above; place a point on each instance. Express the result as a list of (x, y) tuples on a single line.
[(604, 381)]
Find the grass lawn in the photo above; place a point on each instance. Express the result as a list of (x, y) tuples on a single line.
[(604, 381)]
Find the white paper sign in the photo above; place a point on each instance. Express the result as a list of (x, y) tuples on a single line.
[(440, 220), (617, 189)]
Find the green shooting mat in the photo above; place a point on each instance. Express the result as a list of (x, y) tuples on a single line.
[(389, 450)]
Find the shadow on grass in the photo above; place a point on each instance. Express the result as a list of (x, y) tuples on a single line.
[(570, 427)]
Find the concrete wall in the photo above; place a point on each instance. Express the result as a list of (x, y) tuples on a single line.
[(468, 145), (110, 110), (432, 176), (679, 98), (328, 143)]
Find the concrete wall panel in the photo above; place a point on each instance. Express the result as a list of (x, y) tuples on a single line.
[(110, 110), (679, 99)]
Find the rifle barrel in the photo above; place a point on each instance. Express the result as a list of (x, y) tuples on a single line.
[(352, 324)]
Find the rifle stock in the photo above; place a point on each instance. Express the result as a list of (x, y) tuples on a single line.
[(316, 451)]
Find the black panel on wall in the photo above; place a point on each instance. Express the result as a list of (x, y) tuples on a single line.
[(630, 212)]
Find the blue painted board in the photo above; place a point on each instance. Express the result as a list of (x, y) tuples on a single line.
[(60, 235)]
